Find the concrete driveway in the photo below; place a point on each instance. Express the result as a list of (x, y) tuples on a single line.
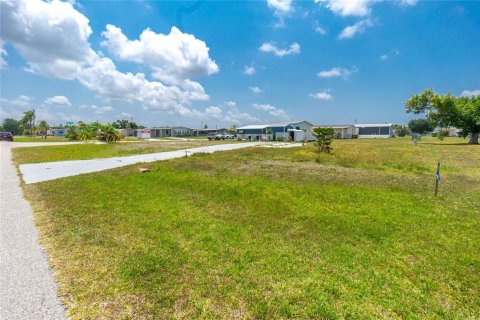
[(38, 172)]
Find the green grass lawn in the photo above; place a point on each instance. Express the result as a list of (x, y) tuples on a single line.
[(271, 234), (39, 139), (92, 151)]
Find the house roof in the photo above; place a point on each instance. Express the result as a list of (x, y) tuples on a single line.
[(272, 124), (336, 126), (366, 125)]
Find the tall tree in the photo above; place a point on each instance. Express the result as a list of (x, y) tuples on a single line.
[(43, 126), (11, 125), (448, 110), (28, 121), (420, 126)]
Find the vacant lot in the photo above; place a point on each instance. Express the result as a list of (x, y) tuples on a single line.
[(92, 151), (271, 233)]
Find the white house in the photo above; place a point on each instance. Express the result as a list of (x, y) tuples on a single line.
[(341, 131), (374, 130), (291, 130)]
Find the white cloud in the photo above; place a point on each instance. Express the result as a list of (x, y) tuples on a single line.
[(337, 72), (345, 8), (271, 110), (468, 93), (294, 48), (21, 101), (58, 100), (214, 112), (125, 115), (249, 70), (280, 6), (101, 110), (255, 89), (173, 58), (354, 29), (384, 57), (322, 95), (320, 30), (3, 53), (233, 114), (53, 38), (408, 2)]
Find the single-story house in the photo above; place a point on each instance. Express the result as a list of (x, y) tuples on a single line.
[(57, 132), (182, 132), (341, 131), (376, 130), (291, 130), (128, 132)]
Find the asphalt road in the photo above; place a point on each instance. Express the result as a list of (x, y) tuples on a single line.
[(27, 286)]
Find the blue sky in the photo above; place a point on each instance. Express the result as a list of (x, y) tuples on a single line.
[(233, 62)]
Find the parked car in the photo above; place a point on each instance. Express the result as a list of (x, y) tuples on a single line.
[(229, 136), (215, 136), (6, 136)]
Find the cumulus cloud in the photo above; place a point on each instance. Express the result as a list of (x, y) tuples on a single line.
[(53, 38), (280, 6), (173, 57), (214, 112), (345, 8), (101, 110), (468, 93), (255, 89), (337, 72), (270, 47), (271, 110), (322, 95), (58, 100), (359, 27), (249, 70), (21, 101), (233, 114)]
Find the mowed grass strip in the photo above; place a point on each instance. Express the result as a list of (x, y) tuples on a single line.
[(256, 234), (93, 151)]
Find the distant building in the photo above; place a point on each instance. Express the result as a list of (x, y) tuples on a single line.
[(58, 132), (341, 131), (128, 132), (291, 130), (376, 130), (182, 132)]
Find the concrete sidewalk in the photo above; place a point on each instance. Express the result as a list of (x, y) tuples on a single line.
[(27, 287)]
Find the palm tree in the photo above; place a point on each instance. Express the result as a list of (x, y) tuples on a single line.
[(110, 134), (72, 133), (43, 127), (28, 120)]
